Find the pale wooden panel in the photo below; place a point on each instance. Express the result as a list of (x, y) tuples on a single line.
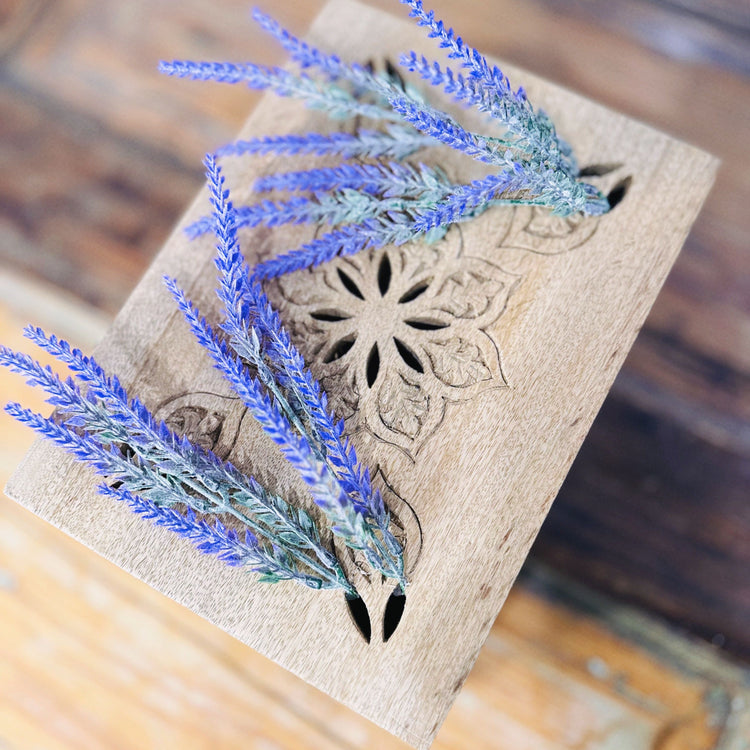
[(559, 670), (481, 474)]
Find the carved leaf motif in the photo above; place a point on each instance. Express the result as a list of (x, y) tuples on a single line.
[(468, 293), (542, 233), (545, 224), (458, 362), (342, 392), (402, 405)]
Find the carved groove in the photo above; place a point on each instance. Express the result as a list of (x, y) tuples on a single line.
[(618, 192), (409, 357), (373, 365), (360, 616), (415, 292), (339, 349), (348, 282), (416, 333)]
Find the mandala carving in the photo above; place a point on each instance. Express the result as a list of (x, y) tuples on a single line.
[(393, 334)]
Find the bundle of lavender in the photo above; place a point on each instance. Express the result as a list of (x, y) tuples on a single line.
[(371, 205), (168, 480), (176, 484)]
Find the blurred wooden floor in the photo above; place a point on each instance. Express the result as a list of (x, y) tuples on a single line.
[(93, 659), (98, 156)]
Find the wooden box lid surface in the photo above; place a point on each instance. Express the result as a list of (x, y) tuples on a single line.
[(495, 349)]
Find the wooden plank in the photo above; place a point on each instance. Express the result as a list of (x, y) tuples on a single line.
[(566, 301), (678, 510), (92, 223), (694, 32), (157, 673), (688, 370)]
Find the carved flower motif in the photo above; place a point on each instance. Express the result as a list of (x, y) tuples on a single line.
[(394, 334), (537, 231)]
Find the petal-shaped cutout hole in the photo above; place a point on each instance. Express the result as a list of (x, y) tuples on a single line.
[(409, 357), (394, 611), (416, 291), (618, 192), (425, 324), (598, 170), (349, 284), (384, 274), (373, 365), (329, 316), (394, 74), (339, 349), (360, 615)]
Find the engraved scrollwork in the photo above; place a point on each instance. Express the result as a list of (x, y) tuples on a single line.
[(206, 419), (394, 334)]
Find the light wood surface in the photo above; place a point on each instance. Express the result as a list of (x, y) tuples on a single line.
[(516, 384), (93, 659), (654, 510)]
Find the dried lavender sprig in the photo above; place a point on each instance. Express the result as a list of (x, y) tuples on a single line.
[(461, 203), (397, 142), (244, 300), (362, 191), (337, 102), (212, 539), (413, 109), (109, 418), (550, 190), (445, 129), (237, 311), (347, 240), (491, 77), (343, 207), (346, 521), (219, 482), (534, 130), (338, 455), (110, 462), (488, 88), (216, 539), (428, 120), (387, 179)]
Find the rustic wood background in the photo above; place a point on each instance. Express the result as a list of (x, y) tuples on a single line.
[(100, 156)]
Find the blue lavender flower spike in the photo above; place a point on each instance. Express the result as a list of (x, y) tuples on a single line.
[(284, 398), (167, 470)]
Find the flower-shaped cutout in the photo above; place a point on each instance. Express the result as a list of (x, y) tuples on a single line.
[(393, 334)]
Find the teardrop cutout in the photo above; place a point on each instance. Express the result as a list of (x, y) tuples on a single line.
[(598, 170), (384, 274), (360, 615), (618, 192), (423, 324), (394, 611), (373, 365), (415, 291), (329, 316), (339, 349), (349, 283), (408, 356)]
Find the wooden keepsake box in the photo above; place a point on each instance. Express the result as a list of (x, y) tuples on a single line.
[(468, 373)]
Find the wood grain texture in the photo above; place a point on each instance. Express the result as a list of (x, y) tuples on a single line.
[(561, 668), (577, 293), (687, 376)]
